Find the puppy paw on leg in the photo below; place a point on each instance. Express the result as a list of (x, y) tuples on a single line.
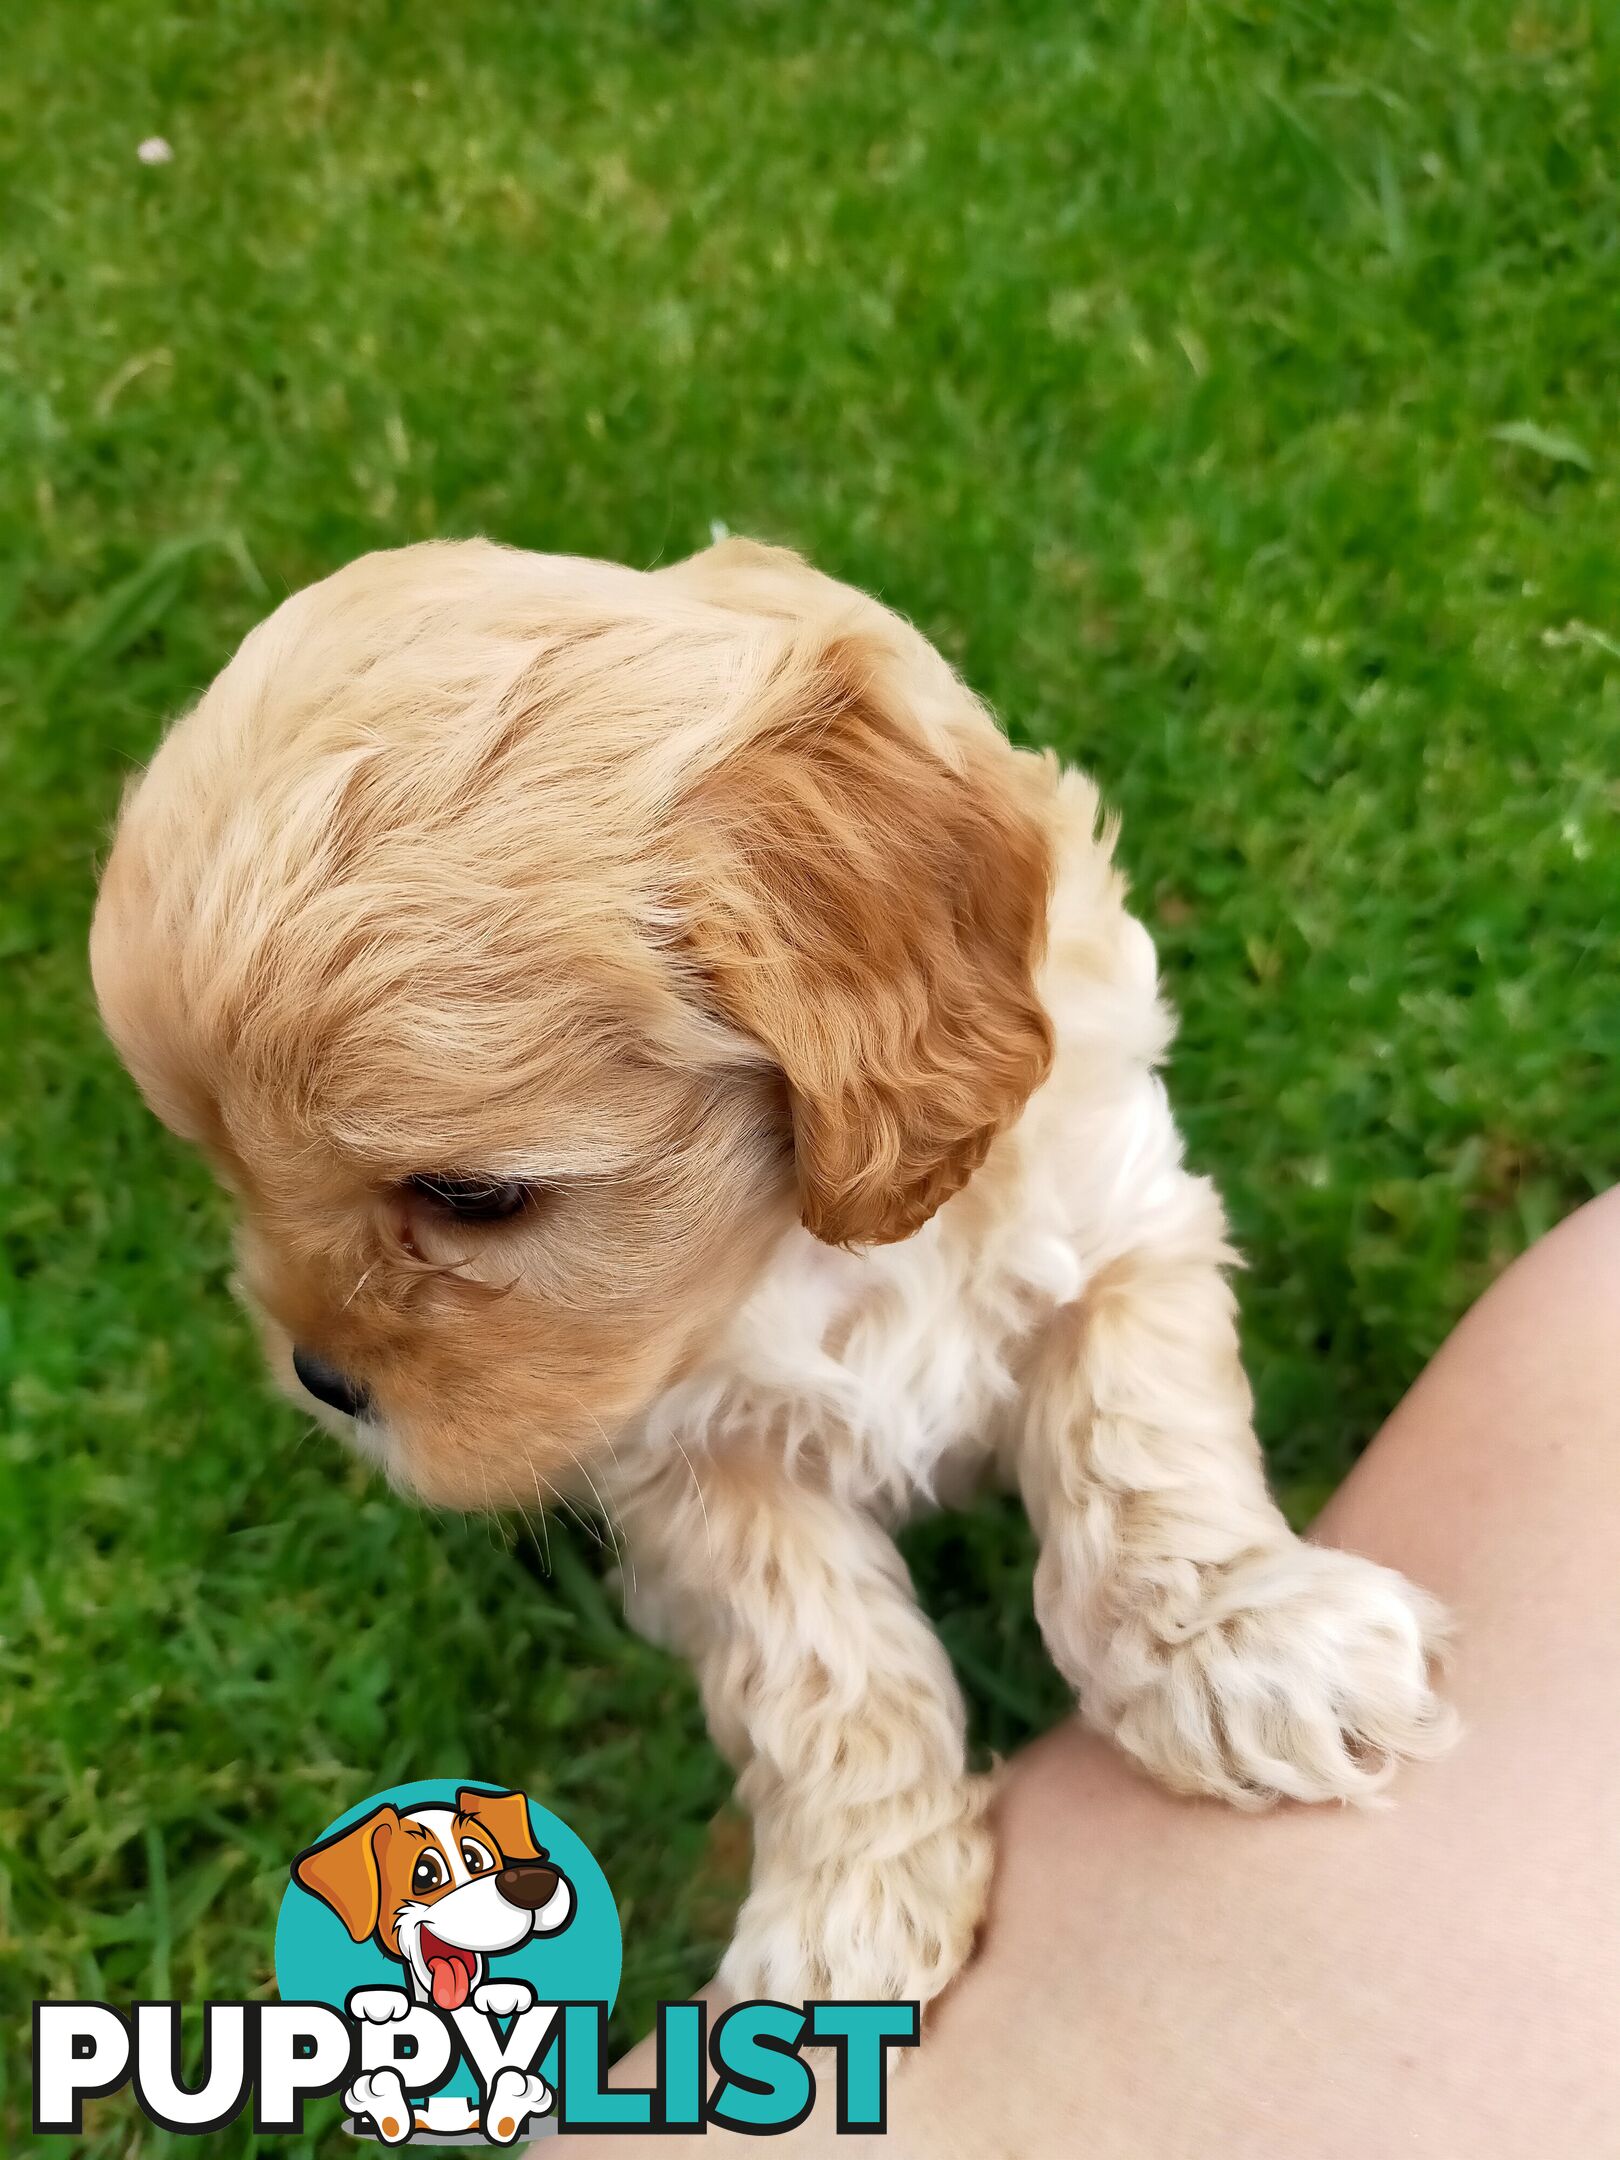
[(380, 2098), (1293, 1672), (514, 2097), (891, 1916)]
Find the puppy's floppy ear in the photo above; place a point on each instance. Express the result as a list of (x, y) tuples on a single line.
[(345, 1871), (868, 898), (505, 1815)]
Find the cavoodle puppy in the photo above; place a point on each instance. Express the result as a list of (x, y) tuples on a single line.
[(667, 1046)]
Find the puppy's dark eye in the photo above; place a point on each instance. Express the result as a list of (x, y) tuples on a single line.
[(428, 1874), (472, 1199)]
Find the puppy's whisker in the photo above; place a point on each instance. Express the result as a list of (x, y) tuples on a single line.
[(568, 1507), (540, 1490), (359, 1286), (620, 1555), (629, 1557), (621, 1544), (584, 1523), (576, 1515), (488, 1510), (697, 1487)]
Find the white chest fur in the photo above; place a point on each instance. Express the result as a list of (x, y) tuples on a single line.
[(890, 1365)]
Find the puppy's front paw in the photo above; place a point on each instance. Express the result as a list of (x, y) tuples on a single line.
[(380, 2098), (513, 2098), (379, 2006), (503, 1998), (1296, 1672), (890, 1917)]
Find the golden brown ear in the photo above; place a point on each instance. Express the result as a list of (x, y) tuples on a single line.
[(346, 1871), (869, 891), (505, 1815)]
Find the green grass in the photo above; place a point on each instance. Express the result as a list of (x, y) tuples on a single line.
[(1231, 388)]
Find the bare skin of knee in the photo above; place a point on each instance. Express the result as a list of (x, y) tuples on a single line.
[(1164, 1979)]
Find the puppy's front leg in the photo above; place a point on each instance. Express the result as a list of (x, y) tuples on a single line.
[(827, 1688), (1223, 1652)]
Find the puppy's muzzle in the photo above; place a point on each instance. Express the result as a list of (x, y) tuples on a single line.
[(330, 1386), (530, 1885)]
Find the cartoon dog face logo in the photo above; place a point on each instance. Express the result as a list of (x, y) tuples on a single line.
[(441, 1889)]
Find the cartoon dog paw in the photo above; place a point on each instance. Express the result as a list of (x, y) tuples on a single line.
[(380, 2096), (513, 2098), (379, 2006), (503, 1998)]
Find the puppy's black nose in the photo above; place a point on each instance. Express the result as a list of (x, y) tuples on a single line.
[(329, 1386), (528, 1884)]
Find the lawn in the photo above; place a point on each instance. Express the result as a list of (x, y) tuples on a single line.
[(1231, 389)]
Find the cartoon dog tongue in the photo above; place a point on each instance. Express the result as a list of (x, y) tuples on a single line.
[(451, 1981)]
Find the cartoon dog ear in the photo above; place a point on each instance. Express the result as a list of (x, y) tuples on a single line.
[(505, 1815), (346, 1871), (868, 880)]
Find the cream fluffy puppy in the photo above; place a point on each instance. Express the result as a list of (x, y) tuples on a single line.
[(667, 1044)]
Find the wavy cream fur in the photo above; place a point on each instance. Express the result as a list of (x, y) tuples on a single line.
[(713, 902)]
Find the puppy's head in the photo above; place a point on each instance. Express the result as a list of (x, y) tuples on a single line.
[(528, 942), (441, 1889)]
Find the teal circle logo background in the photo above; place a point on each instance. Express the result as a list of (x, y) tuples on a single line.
[(316, 1961)]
